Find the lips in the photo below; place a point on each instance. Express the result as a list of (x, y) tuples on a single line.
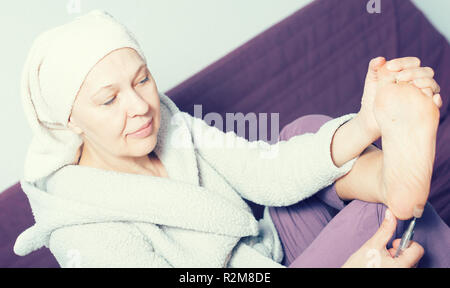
[(142, 127)]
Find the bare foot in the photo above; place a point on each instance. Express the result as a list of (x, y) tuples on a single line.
[(408, 120)]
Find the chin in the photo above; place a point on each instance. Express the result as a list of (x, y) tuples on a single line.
[(145, 146)]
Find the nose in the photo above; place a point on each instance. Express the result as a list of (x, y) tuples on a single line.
[(136, 104)]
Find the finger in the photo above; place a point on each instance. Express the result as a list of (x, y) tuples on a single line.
[(427, 83), (403, 63), (411, 255), (392, 252), (396, 243), (437, 100), (386, 230), (394, 248), (414, 73)]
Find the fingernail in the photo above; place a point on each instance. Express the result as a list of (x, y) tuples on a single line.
[(418, 211), (388, 215)]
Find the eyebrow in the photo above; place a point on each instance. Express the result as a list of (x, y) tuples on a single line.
[(110, 85)]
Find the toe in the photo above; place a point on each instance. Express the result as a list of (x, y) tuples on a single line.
[(437, 100)]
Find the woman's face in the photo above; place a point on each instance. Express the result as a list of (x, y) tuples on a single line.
[(118, 96)]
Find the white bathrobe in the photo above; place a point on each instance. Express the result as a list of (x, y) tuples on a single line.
[(197, 217)]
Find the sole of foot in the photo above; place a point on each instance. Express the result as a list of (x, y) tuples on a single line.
[(408, 120)]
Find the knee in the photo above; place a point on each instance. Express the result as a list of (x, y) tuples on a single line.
[(310, 123)]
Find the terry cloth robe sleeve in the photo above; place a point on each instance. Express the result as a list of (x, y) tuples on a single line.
[(90, 245), (278, 174)]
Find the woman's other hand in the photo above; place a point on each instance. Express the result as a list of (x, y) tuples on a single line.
[(374, 254)]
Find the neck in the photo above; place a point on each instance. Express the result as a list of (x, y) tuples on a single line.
[(146, 165)]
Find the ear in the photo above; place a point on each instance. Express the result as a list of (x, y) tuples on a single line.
[(74, 127)]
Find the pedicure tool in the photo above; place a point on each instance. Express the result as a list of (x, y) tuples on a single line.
[(406, 237)]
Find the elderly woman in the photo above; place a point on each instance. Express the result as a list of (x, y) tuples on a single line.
[(117, 176)]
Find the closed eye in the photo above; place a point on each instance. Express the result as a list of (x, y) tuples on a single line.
[(110, 101), (145, 80)]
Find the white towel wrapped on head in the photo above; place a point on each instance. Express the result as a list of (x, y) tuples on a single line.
[(57, 64)]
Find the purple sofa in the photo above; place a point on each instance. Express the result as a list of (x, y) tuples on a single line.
[(313, 62)]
